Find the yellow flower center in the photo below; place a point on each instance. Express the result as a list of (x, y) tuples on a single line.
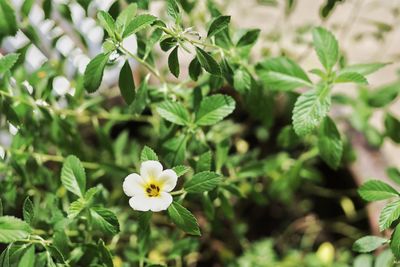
[(153, 190)]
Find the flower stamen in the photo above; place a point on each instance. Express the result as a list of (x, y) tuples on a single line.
[(153, 190)]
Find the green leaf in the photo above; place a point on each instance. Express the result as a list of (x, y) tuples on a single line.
[(174, 112), (326, 46), (140, 101), (181, 170), (194, 69), (148, 154), (28, 258), (389, 214), (168, 43), (282, 74), (7, 62), (1, 208), (183, 218), (138, 23), (173, 62), (384, 259), (368, 243), (309, 110), (28, 211), (8, 21), (208, 62), (204, 162), (105, 254), (363, 69), (173, 10), (202, 181), (73, 176), (395, 242), (76, 207), (393, 173), (143, 232), (383, 95), (94, 72), (13, 229), (218, 24), (375, 190), (329, 143), (213, 109), (105, 220), (107, 22), (126, 16), (351, 77), (249, 38), (242, 80), (392, 127), (126, 83)]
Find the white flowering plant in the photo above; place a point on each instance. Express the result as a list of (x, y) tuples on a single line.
[(159, 133)]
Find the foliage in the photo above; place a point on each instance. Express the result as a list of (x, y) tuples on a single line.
[(218, 122)]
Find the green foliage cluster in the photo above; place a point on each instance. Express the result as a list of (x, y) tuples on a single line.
[(65, 165)]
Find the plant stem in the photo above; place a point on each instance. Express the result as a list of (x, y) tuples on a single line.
[(179, 192)]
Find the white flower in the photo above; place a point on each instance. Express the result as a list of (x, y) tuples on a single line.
[(150, 190)]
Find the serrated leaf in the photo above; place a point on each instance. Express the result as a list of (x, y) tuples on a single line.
[(202, 182), (174, 112), (351, 77), (75, 208), (107, 22), (208, 62), (194, 69), (8, 21), (389, 214), (173, 62), (7, 62), (326, 46), (204, 162), (126, 83), (94, 72), (218, 24), (368, 243), (27, 211), (363, 69), (249, 38), (13, 229), (213, 109), (330, 144), (181, 170), (138, 23), (309, 110), (374, 190), (148, 154), (242, 80), (173, 9), (183, 218), (282, 74), (73, 176), (105, 220)]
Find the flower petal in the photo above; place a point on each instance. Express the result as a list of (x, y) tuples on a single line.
[(168, 179), (161, 202), (133, 184), (150, 170), (140, 202)]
